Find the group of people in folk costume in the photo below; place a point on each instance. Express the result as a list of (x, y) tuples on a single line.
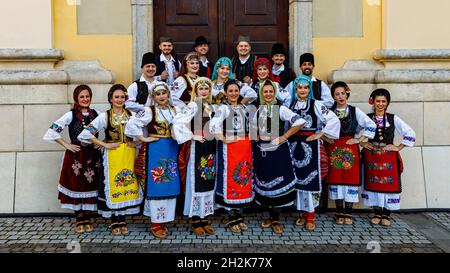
[(229, 135)]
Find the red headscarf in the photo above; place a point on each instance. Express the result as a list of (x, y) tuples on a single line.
[(265, 62), (76, 106)]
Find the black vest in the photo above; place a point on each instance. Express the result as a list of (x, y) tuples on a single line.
[(206, 71), (308, 114), (383, 134), (242, 70), (285, 77), (317, 89), (77, 125), (349, 124), (161, 66), (142, 93), (239, 120), (113, 133)]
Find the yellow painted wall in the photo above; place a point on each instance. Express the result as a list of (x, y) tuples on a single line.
[(113, 51), (332, 52), (416, 24)]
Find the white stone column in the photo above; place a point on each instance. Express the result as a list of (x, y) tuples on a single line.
[(300, 30), (142, 13)]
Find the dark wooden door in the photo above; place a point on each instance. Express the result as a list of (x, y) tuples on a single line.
[(265, 21), (222, 21), (184, 20)]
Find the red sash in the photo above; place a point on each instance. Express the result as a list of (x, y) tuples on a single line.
[(239, 171), (344, 163), (382, 170)]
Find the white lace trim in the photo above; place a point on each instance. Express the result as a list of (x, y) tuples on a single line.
[(78, 195), (90, 207), (108, 214)]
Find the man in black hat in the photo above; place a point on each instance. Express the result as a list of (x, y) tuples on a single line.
[(201, 46), (320, 89), (168, 66), (280, 69), (243, 63), (138, 90)]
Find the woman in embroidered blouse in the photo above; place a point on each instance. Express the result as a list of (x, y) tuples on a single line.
[(198, 156), (78, 183), (262, 71), (221, 74), (234, 185), (183, 85), (321, 124), (343, 177), (272, 162), (156, 165), (119, 193), (382, 161)]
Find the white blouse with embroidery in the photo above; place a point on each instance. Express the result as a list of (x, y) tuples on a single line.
[(364, 122), (137, 123), (57, 127), (326, 119)]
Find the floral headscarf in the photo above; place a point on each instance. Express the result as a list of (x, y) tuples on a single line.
[(222, 61)]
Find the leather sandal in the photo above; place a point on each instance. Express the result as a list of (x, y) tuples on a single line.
[(208, 228), (115, 229), (386, 220), (88, 226), (277, 227), (234, 226), (301, 220), (123, 228), (79, 227), (376, 219), (267, 223), (348, 219), (199, 231), (243, 226), (310, 225), (339, 217), (159, 231)]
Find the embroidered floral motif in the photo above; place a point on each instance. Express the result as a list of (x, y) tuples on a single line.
[(209, 207), (125, 193), (166, 171), (378, 151), (92, 129), (55, 127), (161, 213), (207, 168), (381, 179), (196, 204), (89, 173), (378, 166), (76, 166), (307, 157), (370, 129), (324, 110), (242, 173), (342, 158), (124, 178), (140, 114), (408, 138)]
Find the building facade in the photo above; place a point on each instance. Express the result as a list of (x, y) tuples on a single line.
[(47, 47)]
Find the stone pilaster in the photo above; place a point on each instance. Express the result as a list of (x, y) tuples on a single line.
[(142, 13)]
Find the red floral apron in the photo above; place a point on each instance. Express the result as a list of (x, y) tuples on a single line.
[(382, 170), (344, 163), (239, 171)]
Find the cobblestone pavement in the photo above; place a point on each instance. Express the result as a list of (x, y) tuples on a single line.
[(55, 234), (442, 218)]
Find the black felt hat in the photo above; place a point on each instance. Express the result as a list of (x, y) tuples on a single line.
[(201, 40), (307, 57), (148, 58), (278, 48)]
